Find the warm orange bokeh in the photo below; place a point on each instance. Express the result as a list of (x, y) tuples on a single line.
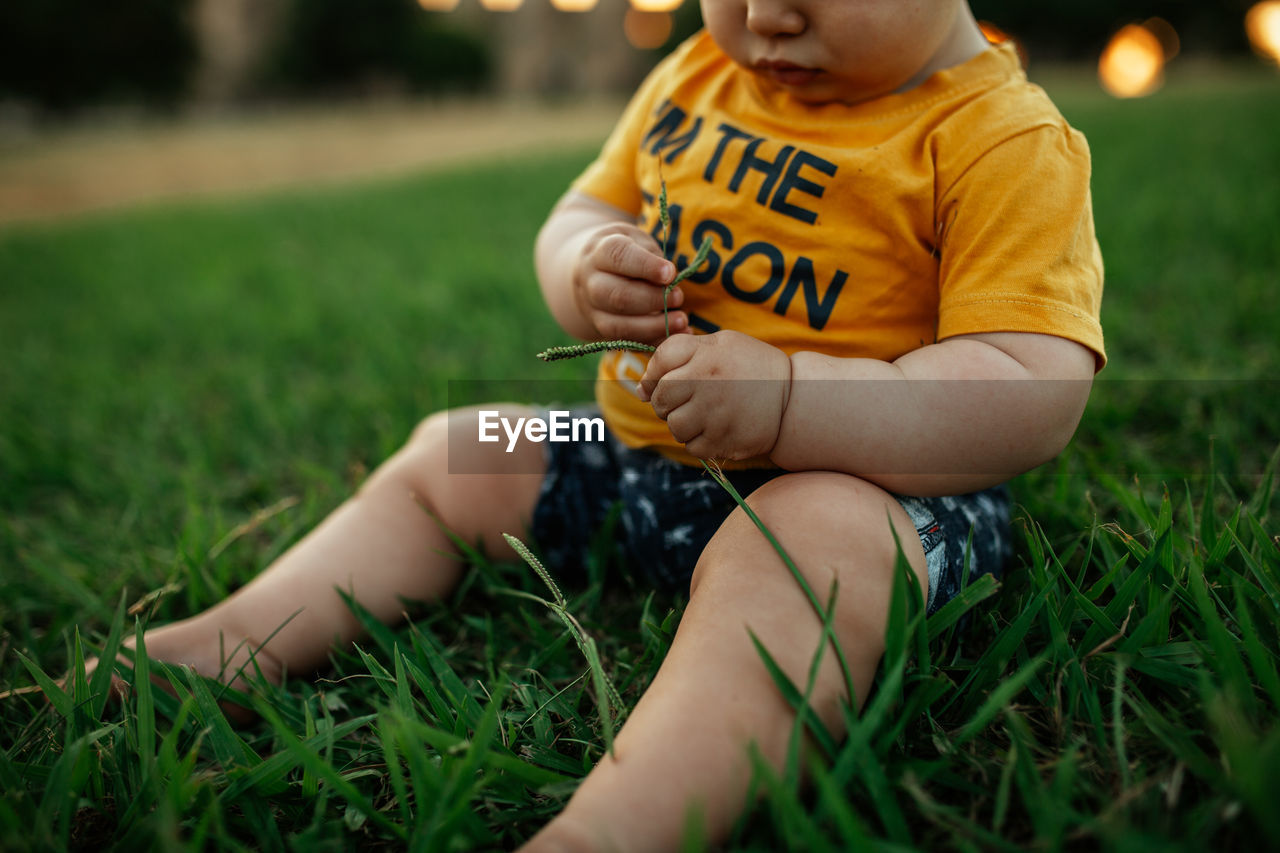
[(647, 30), (574, 5), (1170, 44), (656, 5), (1262, 24), (501, 5), (1132, 64), (995, 35), (438, 5)]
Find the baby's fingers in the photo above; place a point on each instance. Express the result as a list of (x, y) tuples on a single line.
[(614, 294), (671, 353), (646, 328), (668, 395), (624, 256)]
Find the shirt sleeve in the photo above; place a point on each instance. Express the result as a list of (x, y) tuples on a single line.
[(611, 178), (1017, 246)]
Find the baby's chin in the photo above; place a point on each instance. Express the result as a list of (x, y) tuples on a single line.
[(817, 90)]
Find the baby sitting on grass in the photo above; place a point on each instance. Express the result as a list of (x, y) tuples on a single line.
[(898, 313)]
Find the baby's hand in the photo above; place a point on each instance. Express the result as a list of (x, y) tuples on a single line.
[(618, 283), (721, 395)]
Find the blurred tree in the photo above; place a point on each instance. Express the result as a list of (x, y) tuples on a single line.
[(235, 37), (1073, 29), (64, 54), (345, 46), (68, 53), (687, 20)]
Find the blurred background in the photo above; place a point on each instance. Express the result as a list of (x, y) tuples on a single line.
[(66, 55), (81, 81), (188, 384)]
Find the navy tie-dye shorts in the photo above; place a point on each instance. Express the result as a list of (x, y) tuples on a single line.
[(659, 514)]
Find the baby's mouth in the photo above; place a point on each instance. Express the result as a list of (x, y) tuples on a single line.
[(787, 73)]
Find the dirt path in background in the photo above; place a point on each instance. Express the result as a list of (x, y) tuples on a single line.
[(63, 173)]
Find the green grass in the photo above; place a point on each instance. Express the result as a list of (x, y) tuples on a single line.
[(169, 376)]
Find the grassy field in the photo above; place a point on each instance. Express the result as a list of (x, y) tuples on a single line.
[(185, 390)]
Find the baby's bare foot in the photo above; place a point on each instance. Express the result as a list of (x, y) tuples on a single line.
[(238, 662)]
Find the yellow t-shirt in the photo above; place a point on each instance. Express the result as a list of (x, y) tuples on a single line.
[(960, 206)]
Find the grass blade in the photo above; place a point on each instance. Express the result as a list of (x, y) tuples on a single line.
[(312, 761), (58, 698), (606, 694), (791, 693), (230, 749), (143, 690), (100, 683), (728, 486), (996, 701), (976, 592), (269, 775)]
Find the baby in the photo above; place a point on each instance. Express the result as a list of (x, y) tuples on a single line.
[(899, 312)]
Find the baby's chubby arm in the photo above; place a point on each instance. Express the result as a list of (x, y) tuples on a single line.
[(952, 417), (603, 276)]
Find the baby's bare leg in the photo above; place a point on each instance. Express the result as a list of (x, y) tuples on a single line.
[(685, 743), (381, 545)]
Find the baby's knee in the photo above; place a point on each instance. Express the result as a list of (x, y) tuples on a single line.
[(828, 523), (432, 432), (429, 441), (406, 470), (822, 500)]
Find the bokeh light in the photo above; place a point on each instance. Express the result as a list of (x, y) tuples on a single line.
[(1132, 63), (655, 5), (1262, 24), (995, 35), (574, 5), (647, 30), (438, 5), (501, 5), (1170, 44)]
